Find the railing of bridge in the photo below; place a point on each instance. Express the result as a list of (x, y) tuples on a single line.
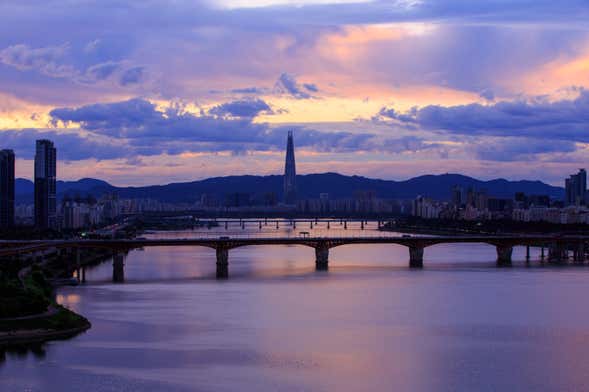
[(291, 234)]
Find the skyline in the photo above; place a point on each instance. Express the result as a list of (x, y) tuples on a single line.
[(289, 174), (379, 89)]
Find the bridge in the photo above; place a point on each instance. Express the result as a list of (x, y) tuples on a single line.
[(558, 246)]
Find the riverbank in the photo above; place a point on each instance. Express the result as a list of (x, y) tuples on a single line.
[(61, 323), (28, 311)]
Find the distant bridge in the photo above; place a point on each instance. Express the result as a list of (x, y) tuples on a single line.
[(558, 246), (359, 223)]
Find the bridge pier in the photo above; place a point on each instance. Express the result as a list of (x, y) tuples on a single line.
[(527, 253), (38, 257), (321, 257), (222, 263), (557, 253), (78, 256), (504, 255), (579, 253), (416, 256), (118, 267)]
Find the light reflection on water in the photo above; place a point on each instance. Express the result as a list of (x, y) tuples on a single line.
[(369, 323)]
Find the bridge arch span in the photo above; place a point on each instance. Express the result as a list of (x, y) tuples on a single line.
[(352, 254)]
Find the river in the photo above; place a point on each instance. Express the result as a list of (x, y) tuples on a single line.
[(368, 324)]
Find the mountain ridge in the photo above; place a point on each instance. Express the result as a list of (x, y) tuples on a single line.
[(309, 186)]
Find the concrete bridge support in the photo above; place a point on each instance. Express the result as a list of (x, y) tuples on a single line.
[(222, 263), (557, 253), (118, 267), (504, 255), (38, 257), (579, 253), (78, 257), (416, 256), (322, 257), (527, 253)]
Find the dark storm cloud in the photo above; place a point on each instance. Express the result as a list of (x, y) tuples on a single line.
[(566, 119)]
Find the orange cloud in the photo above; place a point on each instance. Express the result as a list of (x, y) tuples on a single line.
[(562, 72)]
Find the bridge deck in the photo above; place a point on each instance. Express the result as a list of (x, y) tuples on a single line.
[(8, 248)]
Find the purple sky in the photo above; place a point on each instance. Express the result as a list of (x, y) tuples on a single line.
[(155, 91)]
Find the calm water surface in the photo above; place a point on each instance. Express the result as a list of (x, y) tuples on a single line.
[(369, 323)]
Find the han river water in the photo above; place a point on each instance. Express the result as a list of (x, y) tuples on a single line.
[(368, 324)]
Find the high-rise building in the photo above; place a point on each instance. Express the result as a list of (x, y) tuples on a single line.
[(45, 173), (576, 188), (290, 189), (6, 188), (457, 196)]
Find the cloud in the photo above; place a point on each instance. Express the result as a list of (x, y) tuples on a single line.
[(46, 60), (70, 144), (198, 40), (60, 62), (147, 130), (132, 76), (287, 84), (102, 71), (538, 117), (487, 94), (520, 149), (92, 46), (249, 90), (243, 108)]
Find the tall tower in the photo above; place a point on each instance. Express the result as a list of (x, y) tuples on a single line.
[(6, 188), (45, 173), (290, 173)]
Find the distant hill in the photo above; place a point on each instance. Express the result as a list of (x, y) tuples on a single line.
[(25, 189), (309, 186)]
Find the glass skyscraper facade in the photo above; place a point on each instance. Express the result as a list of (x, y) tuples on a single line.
[(6, 188), (576, 188), (45, 178)]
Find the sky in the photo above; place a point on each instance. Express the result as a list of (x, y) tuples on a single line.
[(154, 91)]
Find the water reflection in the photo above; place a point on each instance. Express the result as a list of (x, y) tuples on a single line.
[(22, 352), (369, 323)]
